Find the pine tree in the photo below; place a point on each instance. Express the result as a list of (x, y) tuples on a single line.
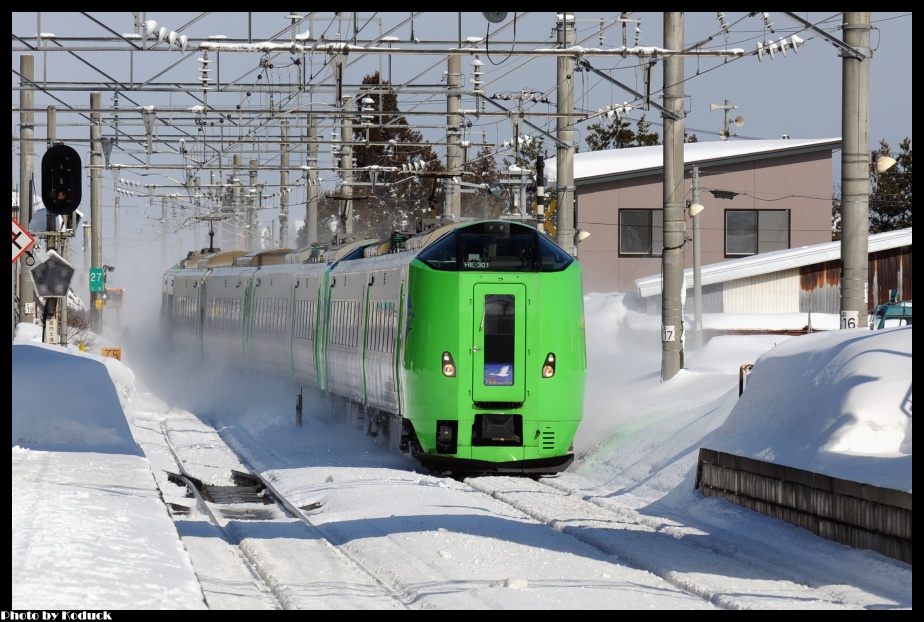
[(385, 141), (482, 169), (617, 134), (890, 199)]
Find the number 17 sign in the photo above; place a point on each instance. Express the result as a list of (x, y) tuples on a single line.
[(21, 240)]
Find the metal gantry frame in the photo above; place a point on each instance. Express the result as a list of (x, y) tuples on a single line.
[(247, 86)]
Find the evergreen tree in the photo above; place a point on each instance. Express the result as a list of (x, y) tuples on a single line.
[(618, 134), (890, 198), (482, 169), (385, 142)]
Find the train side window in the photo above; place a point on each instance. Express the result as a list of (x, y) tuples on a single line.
[(554, 257), (441, 255)]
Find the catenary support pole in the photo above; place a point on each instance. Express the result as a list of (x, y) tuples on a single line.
[(674, 224), (564, 160), (855, 170), (96, 207), (26, 175)]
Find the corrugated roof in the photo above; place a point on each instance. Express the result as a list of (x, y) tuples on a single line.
[(774, 261), (632, 161)]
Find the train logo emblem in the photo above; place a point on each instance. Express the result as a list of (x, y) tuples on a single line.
[(497, 375)]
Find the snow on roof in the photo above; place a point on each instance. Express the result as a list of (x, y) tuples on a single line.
[(774, 261), (593, 164)]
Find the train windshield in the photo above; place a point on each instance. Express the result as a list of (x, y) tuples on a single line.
[(496, 246)]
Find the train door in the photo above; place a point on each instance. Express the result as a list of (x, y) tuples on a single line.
[(499, 343)]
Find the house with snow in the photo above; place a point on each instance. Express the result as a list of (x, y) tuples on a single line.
[(803, 280), (760, 196)]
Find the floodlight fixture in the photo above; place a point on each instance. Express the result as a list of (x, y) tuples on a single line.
[(333, 223)]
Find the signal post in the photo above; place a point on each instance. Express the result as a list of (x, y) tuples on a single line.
[(61, 194)]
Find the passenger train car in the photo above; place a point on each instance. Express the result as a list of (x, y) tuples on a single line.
[(463, 344)]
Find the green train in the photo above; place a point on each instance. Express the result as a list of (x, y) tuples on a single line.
[(463, 344)]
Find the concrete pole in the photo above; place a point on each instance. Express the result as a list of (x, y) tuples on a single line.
[(26, 176), (86, 253), (855, 170), (284, 186), (253, 202), (117, 230), (346, 166), (96, 207), (453, 207), (523, 183), (197, 184), (163, 232), (697, 337), (240, 238), (674, 223), (564, 160), (311, 192)]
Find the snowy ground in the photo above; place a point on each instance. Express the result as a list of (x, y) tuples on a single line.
[(628, 529)]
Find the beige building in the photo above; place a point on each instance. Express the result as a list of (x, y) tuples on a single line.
[(759, 196)]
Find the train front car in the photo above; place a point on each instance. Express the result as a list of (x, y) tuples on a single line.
[(494, 359)]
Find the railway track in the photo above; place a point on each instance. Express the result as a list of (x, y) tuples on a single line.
[(250, 546), (291, 530)]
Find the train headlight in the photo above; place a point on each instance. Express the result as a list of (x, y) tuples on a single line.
[(449, 365), (548, 368)]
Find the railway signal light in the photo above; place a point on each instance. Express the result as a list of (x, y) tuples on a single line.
[(61, 183)]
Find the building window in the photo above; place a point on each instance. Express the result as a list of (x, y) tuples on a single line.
[(748, 232), (641, 232)]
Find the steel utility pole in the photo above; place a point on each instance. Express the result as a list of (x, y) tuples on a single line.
[(855, 169), (674, 224)]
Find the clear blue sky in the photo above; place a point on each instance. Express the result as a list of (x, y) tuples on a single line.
[(798, 94)]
